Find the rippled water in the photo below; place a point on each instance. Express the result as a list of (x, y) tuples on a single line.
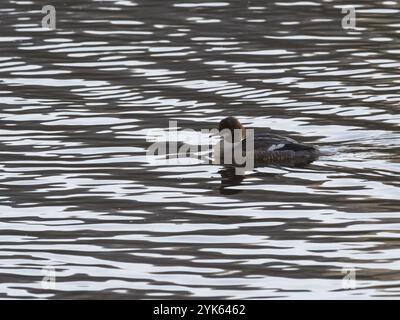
[(79, 195)]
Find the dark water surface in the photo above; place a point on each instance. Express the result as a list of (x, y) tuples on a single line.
[(80, 104)]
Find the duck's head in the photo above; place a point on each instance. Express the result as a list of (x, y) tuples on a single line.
[(231, 129)]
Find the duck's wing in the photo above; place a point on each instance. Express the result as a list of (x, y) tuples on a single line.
[(274, 142), (271, 148)]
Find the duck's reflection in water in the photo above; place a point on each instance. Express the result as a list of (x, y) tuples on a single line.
[(230, 177)]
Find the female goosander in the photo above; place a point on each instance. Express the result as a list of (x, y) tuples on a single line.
[(269, 149)]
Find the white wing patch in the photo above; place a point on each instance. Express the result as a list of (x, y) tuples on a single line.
[(276, 147)]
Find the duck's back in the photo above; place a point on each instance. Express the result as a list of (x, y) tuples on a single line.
[(273, 148)]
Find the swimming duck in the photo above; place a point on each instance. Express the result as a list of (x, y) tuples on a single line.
[(269, 148)]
